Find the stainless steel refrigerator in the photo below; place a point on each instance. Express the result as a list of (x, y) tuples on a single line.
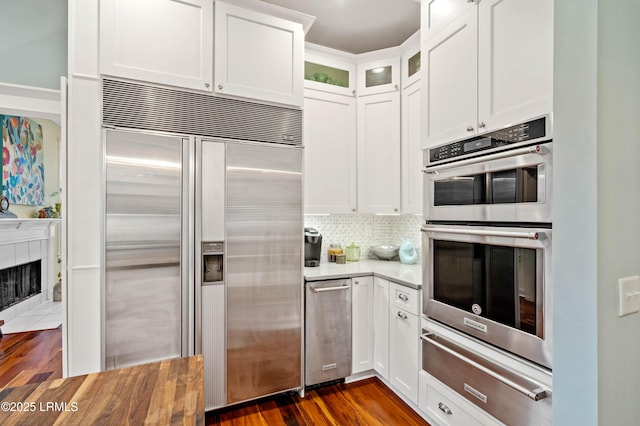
[(169, 200)]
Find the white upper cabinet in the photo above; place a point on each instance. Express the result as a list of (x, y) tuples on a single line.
[(258, 56), (411, 114), (160, 41), (379, 153), (379, 76), (410, 62), (450, 81), (329, 153), (411, 152), (436, 14), (515, 61), (491, 67), (329, 74)]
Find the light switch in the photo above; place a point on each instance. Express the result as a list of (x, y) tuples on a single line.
[(629, 295)]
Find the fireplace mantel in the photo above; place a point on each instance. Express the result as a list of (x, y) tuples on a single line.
[(19, 222), (26, 229)]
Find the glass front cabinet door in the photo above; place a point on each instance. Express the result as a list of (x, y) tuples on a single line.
[(329, 74), (379, 76)]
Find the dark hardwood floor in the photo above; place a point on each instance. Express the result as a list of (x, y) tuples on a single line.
[(366, 402), (30, 357), (36, 356)]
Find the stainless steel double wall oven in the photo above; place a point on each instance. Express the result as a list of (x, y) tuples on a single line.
[(487, 238)]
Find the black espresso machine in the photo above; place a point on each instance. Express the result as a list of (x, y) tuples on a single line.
[(312, 247)]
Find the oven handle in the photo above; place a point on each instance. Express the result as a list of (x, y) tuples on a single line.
[(509, 234), (535, 394), (534, 149)]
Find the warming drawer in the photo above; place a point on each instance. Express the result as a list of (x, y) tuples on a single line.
[(509, 397)]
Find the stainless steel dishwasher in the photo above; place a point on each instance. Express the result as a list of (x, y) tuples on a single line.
[(327, 331)]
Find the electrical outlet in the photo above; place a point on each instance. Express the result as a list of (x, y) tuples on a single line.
[(629, 295)]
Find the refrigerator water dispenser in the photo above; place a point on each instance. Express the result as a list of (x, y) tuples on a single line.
[(213, 262)]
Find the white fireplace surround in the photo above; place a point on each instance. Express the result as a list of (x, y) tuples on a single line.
[(23, 241)]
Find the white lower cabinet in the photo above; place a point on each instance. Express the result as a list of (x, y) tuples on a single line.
[(447, 408), (404, 351), (381, 327), (386, 332), (361, 324)]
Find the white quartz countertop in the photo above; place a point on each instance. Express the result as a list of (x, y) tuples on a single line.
[(409, 275)]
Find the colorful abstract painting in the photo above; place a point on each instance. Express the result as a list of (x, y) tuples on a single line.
[(22, 161)]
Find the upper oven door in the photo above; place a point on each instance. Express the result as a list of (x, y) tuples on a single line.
[(493, 283), (508, 186)]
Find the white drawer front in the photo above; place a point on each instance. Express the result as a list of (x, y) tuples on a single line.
[(447, 407), (405, 298)]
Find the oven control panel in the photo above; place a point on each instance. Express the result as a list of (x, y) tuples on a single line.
[(529, 131)]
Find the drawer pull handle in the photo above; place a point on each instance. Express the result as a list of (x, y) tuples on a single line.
[(444, 409), (402, 315), (403, 297)]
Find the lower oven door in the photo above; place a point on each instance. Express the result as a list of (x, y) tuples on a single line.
[(508, 396), (493, 283)]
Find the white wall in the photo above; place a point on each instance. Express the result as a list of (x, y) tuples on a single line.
[(618, 207), (575, 326), (33, 42), (596, 230)]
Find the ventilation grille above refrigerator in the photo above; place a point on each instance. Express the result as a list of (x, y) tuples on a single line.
[(138, 106)]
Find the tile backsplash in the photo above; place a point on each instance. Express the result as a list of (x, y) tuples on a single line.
[(365, 230)]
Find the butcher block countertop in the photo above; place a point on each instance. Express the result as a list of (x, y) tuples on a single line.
[(161, 393)]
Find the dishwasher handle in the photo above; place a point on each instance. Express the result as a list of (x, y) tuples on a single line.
[(324, 289)]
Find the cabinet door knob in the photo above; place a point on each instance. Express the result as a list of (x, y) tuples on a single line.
[(354, 93), (220, 86), (404, 297), (482, 125), (353, 210), (395, 210), (356, 282), (402, 315), (444, 409), (207, 85), (469, 128)]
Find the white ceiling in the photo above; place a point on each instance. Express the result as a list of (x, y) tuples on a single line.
[(358, 26)]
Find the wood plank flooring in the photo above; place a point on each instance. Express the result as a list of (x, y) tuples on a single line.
[(30, 357), (367, 402), (36, 356)]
